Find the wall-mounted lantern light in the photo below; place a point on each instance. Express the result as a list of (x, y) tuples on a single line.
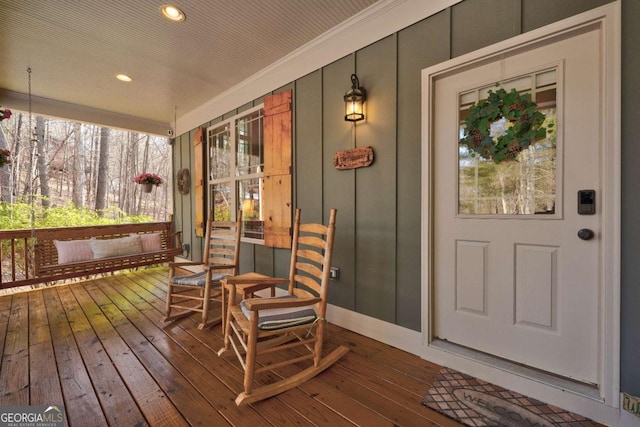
[(354, 101)]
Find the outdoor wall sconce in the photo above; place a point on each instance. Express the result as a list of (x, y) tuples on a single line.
[(354, 101)]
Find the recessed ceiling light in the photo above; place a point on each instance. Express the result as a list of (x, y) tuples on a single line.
[(123, 78), (172, 13)]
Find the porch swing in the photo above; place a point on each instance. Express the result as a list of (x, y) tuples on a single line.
[(82, 251)]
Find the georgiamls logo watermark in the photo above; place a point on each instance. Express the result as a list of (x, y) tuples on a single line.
[(32, 416)]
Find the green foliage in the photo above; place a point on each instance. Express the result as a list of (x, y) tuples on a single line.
[(222, 213), (22, 215)]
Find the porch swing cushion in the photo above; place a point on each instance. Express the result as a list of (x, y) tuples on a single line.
[(150, 241), (73, 250), (198, 279), (105, 248), (278, 318)]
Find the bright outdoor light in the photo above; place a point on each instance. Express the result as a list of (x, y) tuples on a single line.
[(123, 78), (354, 101), (172, 13)]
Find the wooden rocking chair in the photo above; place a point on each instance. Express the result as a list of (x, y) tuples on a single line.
[(262, 326), (193, 293)]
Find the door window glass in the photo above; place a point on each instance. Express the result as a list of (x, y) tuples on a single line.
[(525, 185)]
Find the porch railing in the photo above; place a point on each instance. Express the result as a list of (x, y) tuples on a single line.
[(17, 254)]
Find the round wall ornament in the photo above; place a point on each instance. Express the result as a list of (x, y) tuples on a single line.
[(503, 125), (184, 181)]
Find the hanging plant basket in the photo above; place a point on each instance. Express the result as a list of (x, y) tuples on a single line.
[(147, 181), (503, 125), (147, 187)]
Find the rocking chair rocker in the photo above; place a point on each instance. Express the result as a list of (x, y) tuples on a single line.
[(258, 327), (194, 293)]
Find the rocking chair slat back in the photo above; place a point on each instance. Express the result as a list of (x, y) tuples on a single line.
[(264, 326)]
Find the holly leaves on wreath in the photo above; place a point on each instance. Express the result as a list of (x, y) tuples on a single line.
[(503, 125)]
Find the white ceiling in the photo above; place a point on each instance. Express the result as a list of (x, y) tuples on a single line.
[(75, 47)]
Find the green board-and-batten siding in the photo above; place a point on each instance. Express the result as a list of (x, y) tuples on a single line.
[(377, 245)]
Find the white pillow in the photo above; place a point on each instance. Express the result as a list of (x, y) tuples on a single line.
[(116, 247), (73, 250), (150, 241)]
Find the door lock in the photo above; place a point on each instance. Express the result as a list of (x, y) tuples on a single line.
[(586, 234)]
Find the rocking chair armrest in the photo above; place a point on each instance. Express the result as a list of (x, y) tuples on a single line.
[(208, 267), (248, 283), (255, 304), (238, 280), (184, 263)]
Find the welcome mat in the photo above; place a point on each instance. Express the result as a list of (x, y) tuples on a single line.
[(477, 403)]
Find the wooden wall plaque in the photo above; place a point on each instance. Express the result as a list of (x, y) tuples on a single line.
[(355, 158)]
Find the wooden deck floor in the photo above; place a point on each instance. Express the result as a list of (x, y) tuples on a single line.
[(99, 347)]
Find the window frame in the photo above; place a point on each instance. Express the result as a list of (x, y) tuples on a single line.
[(234, 177), (533, 82)]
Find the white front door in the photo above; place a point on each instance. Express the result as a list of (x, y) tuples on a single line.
[(511, 277)]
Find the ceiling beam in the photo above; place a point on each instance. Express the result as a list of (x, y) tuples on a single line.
[(67, 111)]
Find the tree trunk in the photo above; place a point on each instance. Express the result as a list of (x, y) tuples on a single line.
[(17, 167), (31, 165), (42, 161), (78, 169), (103, 172), (5, 172), (122, 179), (90, 190), (145, 162), (131, 171)]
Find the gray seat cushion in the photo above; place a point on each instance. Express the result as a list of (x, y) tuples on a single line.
[(198, 279), (277, 318)]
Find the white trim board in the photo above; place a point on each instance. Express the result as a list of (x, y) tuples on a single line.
[(379, 330), (372, 24), (604, 406)]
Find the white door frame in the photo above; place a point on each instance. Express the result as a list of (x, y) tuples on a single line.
[(603, 406)]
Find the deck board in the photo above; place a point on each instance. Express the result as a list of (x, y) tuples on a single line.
[(182, 394), (145, 392), (80, 399), (109, 386), (14, 373), (219, 379), (44, 386), (5, 312), (100, 348)]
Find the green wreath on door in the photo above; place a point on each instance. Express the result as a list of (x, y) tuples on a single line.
[(516, 121)]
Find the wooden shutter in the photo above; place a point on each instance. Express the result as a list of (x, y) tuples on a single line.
[(276, 187), (198, 180)]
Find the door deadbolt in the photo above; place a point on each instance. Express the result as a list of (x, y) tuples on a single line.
[(586, 234), (586, 202)]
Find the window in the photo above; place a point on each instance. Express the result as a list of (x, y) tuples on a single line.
[(236, 171), (250, 168), (526, 185)]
